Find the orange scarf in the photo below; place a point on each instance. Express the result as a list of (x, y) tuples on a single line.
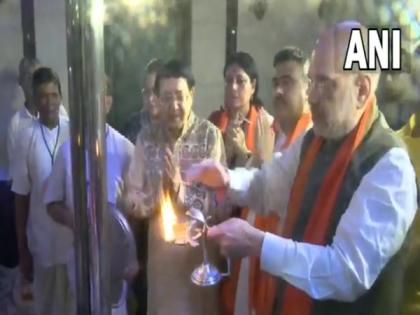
[(263, 286), (299, 129), (229, 286), (296, 301), (221, 120)]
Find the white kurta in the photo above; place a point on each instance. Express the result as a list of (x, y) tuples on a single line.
[(369, 233), (118, 155), (48, 241), (19, 122), (119, 151)]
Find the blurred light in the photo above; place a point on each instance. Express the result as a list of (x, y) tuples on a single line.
[(131, 4), (139, 5), (98, 13), (146, 12), (385, 14), (163, 19), (152, 17), (404, 17), (142, 22), (415, 31), (396, 7)]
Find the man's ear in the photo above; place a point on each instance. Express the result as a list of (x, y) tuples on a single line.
[(192, 91), (364, 89)]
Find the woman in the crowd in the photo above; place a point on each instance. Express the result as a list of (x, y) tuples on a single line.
[(249, 139), (246, 126)]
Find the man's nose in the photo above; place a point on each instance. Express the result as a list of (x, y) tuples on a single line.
[(174, 105), (278, 90)]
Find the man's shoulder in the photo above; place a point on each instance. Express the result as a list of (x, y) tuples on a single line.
[(120, 139), (27, 130), (16, 117), (65, 125), (205, 127), (205, 123), (26, 136), (216, 115), (382, 136)]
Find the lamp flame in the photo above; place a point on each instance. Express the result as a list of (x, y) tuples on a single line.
[(168, 218)]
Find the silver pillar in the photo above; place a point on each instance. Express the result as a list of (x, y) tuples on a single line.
[(84, 20)]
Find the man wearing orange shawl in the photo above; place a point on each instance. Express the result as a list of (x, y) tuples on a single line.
[(350, 193), (291, 110), (294, 118)]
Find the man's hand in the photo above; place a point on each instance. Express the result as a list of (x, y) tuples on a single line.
[(132, 205), (208, 172), (130, 272), (60, 213), (172, 171), (237, 238), (26, 263)]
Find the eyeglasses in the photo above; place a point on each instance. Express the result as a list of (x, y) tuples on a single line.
[(321, 84), (172, 97)]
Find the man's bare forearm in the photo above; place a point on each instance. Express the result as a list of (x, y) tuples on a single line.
[(22, 212), (60, 213)]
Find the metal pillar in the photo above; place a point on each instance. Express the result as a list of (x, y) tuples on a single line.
[(84, 22)]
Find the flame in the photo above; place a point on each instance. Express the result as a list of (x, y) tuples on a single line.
[(168, 217)]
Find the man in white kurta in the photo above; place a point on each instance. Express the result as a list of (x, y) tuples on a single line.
[(28, 113), (22, 119), (49, 243), (358, 267), (60, 187), (58, 196)]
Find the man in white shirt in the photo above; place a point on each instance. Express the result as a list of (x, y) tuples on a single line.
[(28, 113), (8, 242), (350, 193), (58, 197), (43, 244)]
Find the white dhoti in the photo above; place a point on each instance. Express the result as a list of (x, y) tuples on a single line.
[(52, 293)]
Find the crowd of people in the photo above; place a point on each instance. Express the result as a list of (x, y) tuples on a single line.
[(314, 203)]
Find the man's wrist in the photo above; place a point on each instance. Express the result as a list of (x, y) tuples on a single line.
[(226, 183), (257, 239)]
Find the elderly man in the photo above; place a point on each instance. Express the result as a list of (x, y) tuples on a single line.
[(162, 155), (410, 134), (350, 193)]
